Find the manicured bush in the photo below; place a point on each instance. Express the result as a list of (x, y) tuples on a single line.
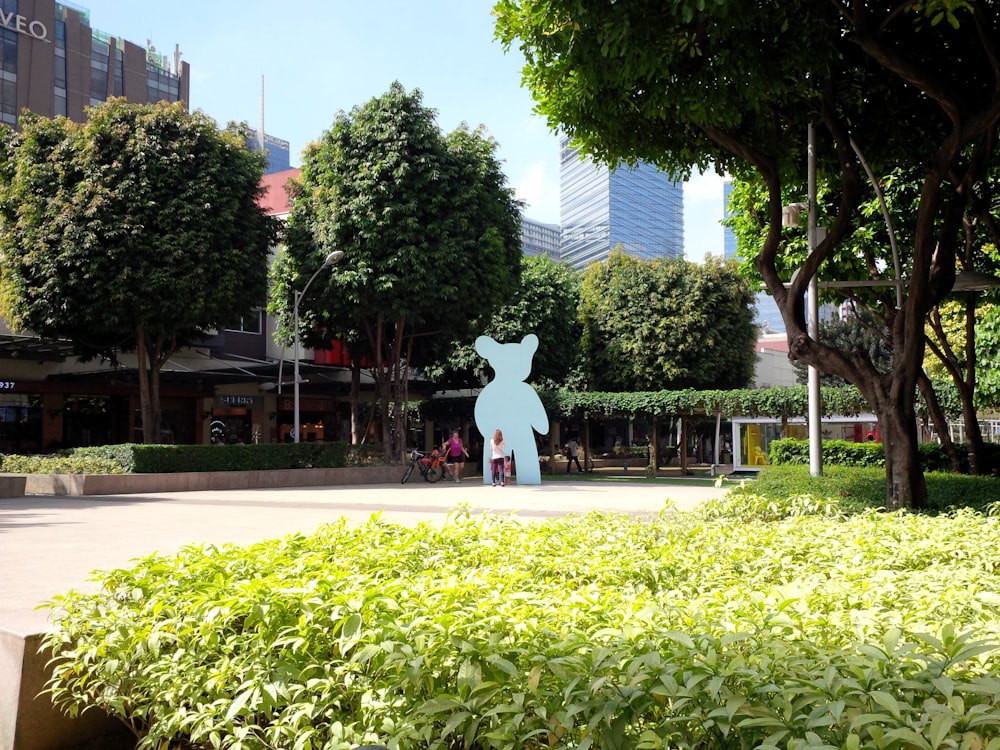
[(848, 453), (67, 463), (711, 630), (133, 458), (858, 488), (792, 451)]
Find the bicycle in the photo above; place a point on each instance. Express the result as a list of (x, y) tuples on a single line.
[(431, 466)]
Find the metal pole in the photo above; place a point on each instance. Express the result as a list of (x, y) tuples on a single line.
[(815, 426), (333, 257), (295, 312)]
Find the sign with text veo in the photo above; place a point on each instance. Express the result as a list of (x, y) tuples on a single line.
[(22, 25)]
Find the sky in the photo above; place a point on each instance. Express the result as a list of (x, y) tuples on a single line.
[(318, 57)]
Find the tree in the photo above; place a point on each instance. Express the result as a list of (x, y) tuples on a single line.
[(857, 330), (666, 323), (736, 85), (988, 357), (546, 304), (138, 229), (430, 232), (949, 334)]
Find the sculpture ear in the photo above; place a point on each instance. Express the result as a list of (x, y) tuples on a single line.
[(485, 345), (530, 342)]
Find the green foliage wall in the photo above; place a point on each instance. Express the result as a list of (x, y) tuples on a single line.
[(666, 323)]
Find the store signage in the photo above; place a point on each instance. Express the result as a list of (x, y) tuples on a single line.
[(22, 25), (237, 400)]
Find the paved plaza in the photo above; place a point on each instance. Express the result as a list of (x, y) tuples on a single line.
[(49, 545)]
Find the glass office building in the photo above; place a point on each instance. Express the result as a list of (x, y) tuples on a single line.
[(278, 151), (538, 238), (639, 208)]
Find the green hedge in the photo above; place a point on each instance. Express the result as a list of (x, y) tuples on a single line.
[(872, 631), (856, 488), (849, 453), (135, 458)]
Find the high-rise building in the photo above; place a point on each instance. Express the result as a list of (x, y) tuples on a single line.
[(278, 151), (639, 208), (538, 238), (728, 235), (54, 63), (768, 317)]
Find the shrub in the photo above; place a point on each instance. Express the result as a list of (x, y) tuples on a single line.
[(792, 451), (866, 631), (132, 458), (848, 453), (856, 488), (67, 463)]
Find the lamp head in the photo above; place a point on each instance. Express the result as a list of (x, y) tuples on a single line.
[(334, 256)]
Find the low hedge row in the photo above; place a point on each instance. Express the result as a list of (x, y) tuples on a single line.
[(133, 458), (847, 453), (856, 488)]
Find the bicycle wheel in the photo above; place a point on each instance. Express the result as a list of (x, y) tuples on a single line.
[(434, 473), (406, 474)]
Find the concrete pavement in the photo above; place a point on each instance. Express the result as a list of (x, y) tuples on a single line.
[(49, 545)]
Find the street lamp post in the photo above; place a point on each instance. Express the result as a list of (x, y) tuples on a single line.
[(815, 401), (330, 259)]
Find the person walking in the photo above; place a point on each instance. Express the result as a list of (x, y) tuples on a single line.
[(456, 452), (573, 454), (498, 457)]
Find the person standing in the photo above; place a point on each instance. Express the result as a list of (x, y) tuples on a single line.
[(573, 454), (498, 457), (455, 450)]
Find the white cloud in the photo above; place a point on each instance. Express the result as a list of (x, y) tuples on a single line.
[(703, 210), (539, 189), (703, 187)]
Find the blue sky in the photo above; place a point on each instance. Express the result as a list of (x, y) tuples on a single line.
[(321, 56)]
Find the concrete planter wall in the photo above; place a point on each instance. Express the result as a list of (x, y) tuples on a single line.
[(127, 484)]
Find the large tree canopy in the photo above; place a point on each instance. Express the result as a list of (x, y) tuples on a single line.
[(139, 229), (546, 303), (666, 324), (735, 83), (430, 232)]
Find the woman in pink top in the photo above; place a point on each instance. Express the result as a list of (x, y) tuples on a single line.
[(456, 453)]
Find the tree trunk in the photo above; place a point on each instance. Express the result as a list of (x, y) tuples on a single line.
[(940, 422), (964, 378), (905, 485), (148, 363), (396, 434), (355, 399), (974, 443), (978, 462)]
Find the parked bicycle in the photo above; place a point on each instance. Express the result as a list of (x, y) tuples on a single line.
[(431, 465)]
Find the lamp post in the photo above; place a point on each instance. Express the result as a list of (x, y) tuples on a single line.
[(330, 259), (815, 402)]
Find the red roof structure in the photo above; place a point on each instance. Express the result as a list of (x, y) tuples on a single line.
[(275, 198)]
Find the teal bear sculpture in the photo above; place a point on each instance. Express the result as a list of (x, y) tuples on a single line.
[(509, 404)]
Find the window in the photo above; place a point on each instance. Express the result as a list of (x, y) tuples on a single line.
[(252, 323)]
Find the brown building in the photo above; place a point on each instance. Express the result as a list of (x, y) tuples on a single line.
[(55, 63)]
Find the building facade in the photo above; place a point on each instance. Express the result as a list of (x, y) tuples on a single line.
[(279, 157), (639, 208), (538, 238), (55, 63), (52, 62)]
